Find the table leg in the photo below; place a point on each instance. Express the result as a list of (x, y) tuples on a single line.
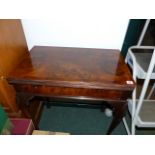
[(23, 102), (30, 107), (119, 111)]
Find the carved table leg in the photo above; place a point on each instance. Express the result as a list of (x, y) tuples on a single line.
[(119, 111)]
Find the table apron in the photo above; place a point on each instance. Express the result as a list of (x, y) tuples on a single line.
[(79, 93)]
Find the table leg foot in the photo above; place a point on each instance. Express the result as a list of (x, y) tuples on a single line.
[(119, 111)]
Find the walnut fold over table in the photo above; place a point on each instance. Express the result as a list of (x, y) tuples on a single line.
[(75, 73)]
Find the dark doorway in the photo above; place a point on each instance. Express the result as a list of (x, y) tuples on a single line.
[(132, 35)]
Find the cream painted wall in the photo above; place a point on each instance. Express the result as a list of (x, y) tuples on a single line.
[(76, 31)]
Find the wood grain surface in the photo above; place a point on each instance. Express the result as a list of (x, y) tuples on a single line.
[(73, 67)]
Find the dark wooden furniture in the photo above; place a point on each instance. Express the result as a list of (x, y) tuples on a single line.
[(75, 73)]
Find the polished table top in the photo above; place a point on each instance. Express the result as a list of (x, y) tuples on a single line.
[(74, 67)]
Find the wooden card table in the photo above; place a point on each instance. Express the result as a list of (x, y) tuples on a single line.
[(75, 73)]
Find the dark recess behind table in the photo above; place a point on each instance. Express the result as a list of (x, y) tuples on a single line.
[(132, 35)]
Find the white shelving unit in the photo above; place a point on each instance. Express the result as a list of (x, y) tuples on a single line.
[(141, 59)]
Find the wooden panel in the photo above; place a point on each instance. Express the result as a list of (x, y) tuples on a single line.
[(77, 93), (7, 95), (13, 47)]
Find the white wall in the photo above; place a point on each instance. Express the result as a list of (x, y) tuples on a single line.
[(76, 31)]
